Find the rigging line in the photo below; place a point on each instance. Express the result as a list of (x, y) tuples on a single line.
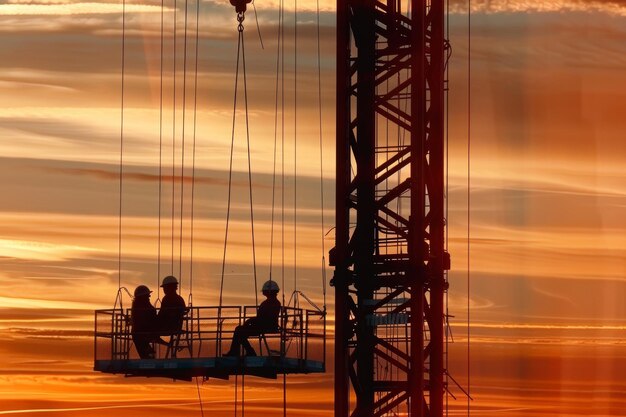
[(158, 277), (282, 149), (193, 158), (182, 158), (447, 199), (173, 143), (256, 18), (243, 395), (199, 397), (236, 392), (295, 148), (284, 394), (230, 180), (121, 168), (245, 96), (469, 136), (275, 143), (319, 96)]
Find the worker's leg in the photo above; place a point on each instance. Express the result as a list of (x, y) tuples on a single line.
[(248, 347), (142, 344), (240, 338)]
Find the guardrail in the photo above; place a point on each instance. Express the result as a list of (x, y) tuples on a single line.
[(207, 332)]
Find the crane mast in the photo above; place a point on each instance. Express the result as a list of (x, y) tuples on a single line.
[(390, 260)]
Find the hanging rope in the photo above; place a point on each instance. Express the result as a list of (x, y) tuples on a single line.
[(469, 136), (182, 157), (121, 167), (230, 180), (158, 277), (173, 142), (319, 96), (282, 157), (241, 58), (193, 158), (199, 397), (240, 18), (278, 57), (284, 395), (236, 392), (295, 155), (243, 395)]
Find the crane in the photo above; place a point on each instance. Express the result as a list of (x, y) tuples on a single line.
[(390, 255)]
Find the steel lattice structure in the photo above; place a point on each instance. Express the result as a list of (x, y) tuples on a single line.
[(389, 258)]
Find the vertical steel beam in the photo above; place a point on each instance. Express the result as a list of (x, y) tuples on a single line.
[(436, 194), (389, 351), (418, 203), (342, 223)]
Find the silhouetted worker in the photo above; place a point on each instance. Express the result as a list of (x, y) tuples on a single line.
[(143, 321), (173, 308), (266, 321)]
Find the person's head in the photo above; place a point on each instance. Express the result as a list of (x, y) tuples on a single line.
[(270, 289), (169, 285), (142, 292)]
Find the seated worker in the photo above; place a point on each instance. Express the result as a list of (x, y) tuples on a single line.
[(173, 308), (143, 321), (266, 321)]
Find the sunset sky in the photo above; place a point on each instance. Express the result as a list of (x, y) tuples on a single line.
[(548, 197)]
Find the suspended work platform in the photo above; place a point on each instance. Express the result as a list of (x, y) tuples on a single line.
[(298, 347)]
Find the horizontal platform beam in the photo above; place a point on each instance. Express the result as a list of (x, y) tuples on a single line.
[(221, 367)]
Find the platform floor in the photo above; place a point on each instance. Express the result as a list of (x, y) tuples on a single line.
[(220, 367)]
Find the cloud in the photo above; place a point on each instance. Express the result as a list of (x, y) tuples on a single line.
[(48, 333), (37, 250), (73, 8), (153, 178), (614, 7)]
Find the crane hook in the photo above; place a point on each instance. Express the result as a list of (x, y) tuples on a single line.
[(240, 5)]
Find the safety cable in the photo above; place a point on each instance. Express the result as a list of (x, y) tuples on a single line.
[(121, 167), (446, 70), (469, 147), (236, 391), (319, 96), (173, 142), (198, 388), (258, 28), (193, 157), (282, 160), (240, 19), (158, 277), (278, 56), (182, 157), (243, 395), (230, 180), (284, 395), (295, 151)]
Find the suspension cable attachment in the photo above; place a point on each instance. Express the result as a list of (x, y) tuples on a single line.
[(240, 17), (240, 6)]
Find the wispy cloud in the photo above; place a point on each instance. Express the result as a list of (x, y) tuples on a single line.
[(71, 8), (616, 7)]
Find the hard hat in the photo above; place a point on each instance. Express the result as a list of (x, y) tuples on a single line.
[(270, 286), (169, 280), (142, 290)]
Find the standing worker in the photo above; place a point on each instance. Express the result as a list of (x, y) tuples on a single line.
[(173, 308), (143, 321), (266, 321)]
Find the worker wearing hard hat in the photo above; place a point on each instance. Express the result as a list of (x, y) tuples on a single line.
[(173, 308), (143, 322), (266, 321)]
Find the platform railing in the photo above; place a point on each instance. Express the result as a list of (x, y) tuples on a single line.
[(208, 331)]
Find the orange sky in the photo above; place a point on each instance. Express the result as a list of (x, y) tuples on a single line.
[(547, 203)]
